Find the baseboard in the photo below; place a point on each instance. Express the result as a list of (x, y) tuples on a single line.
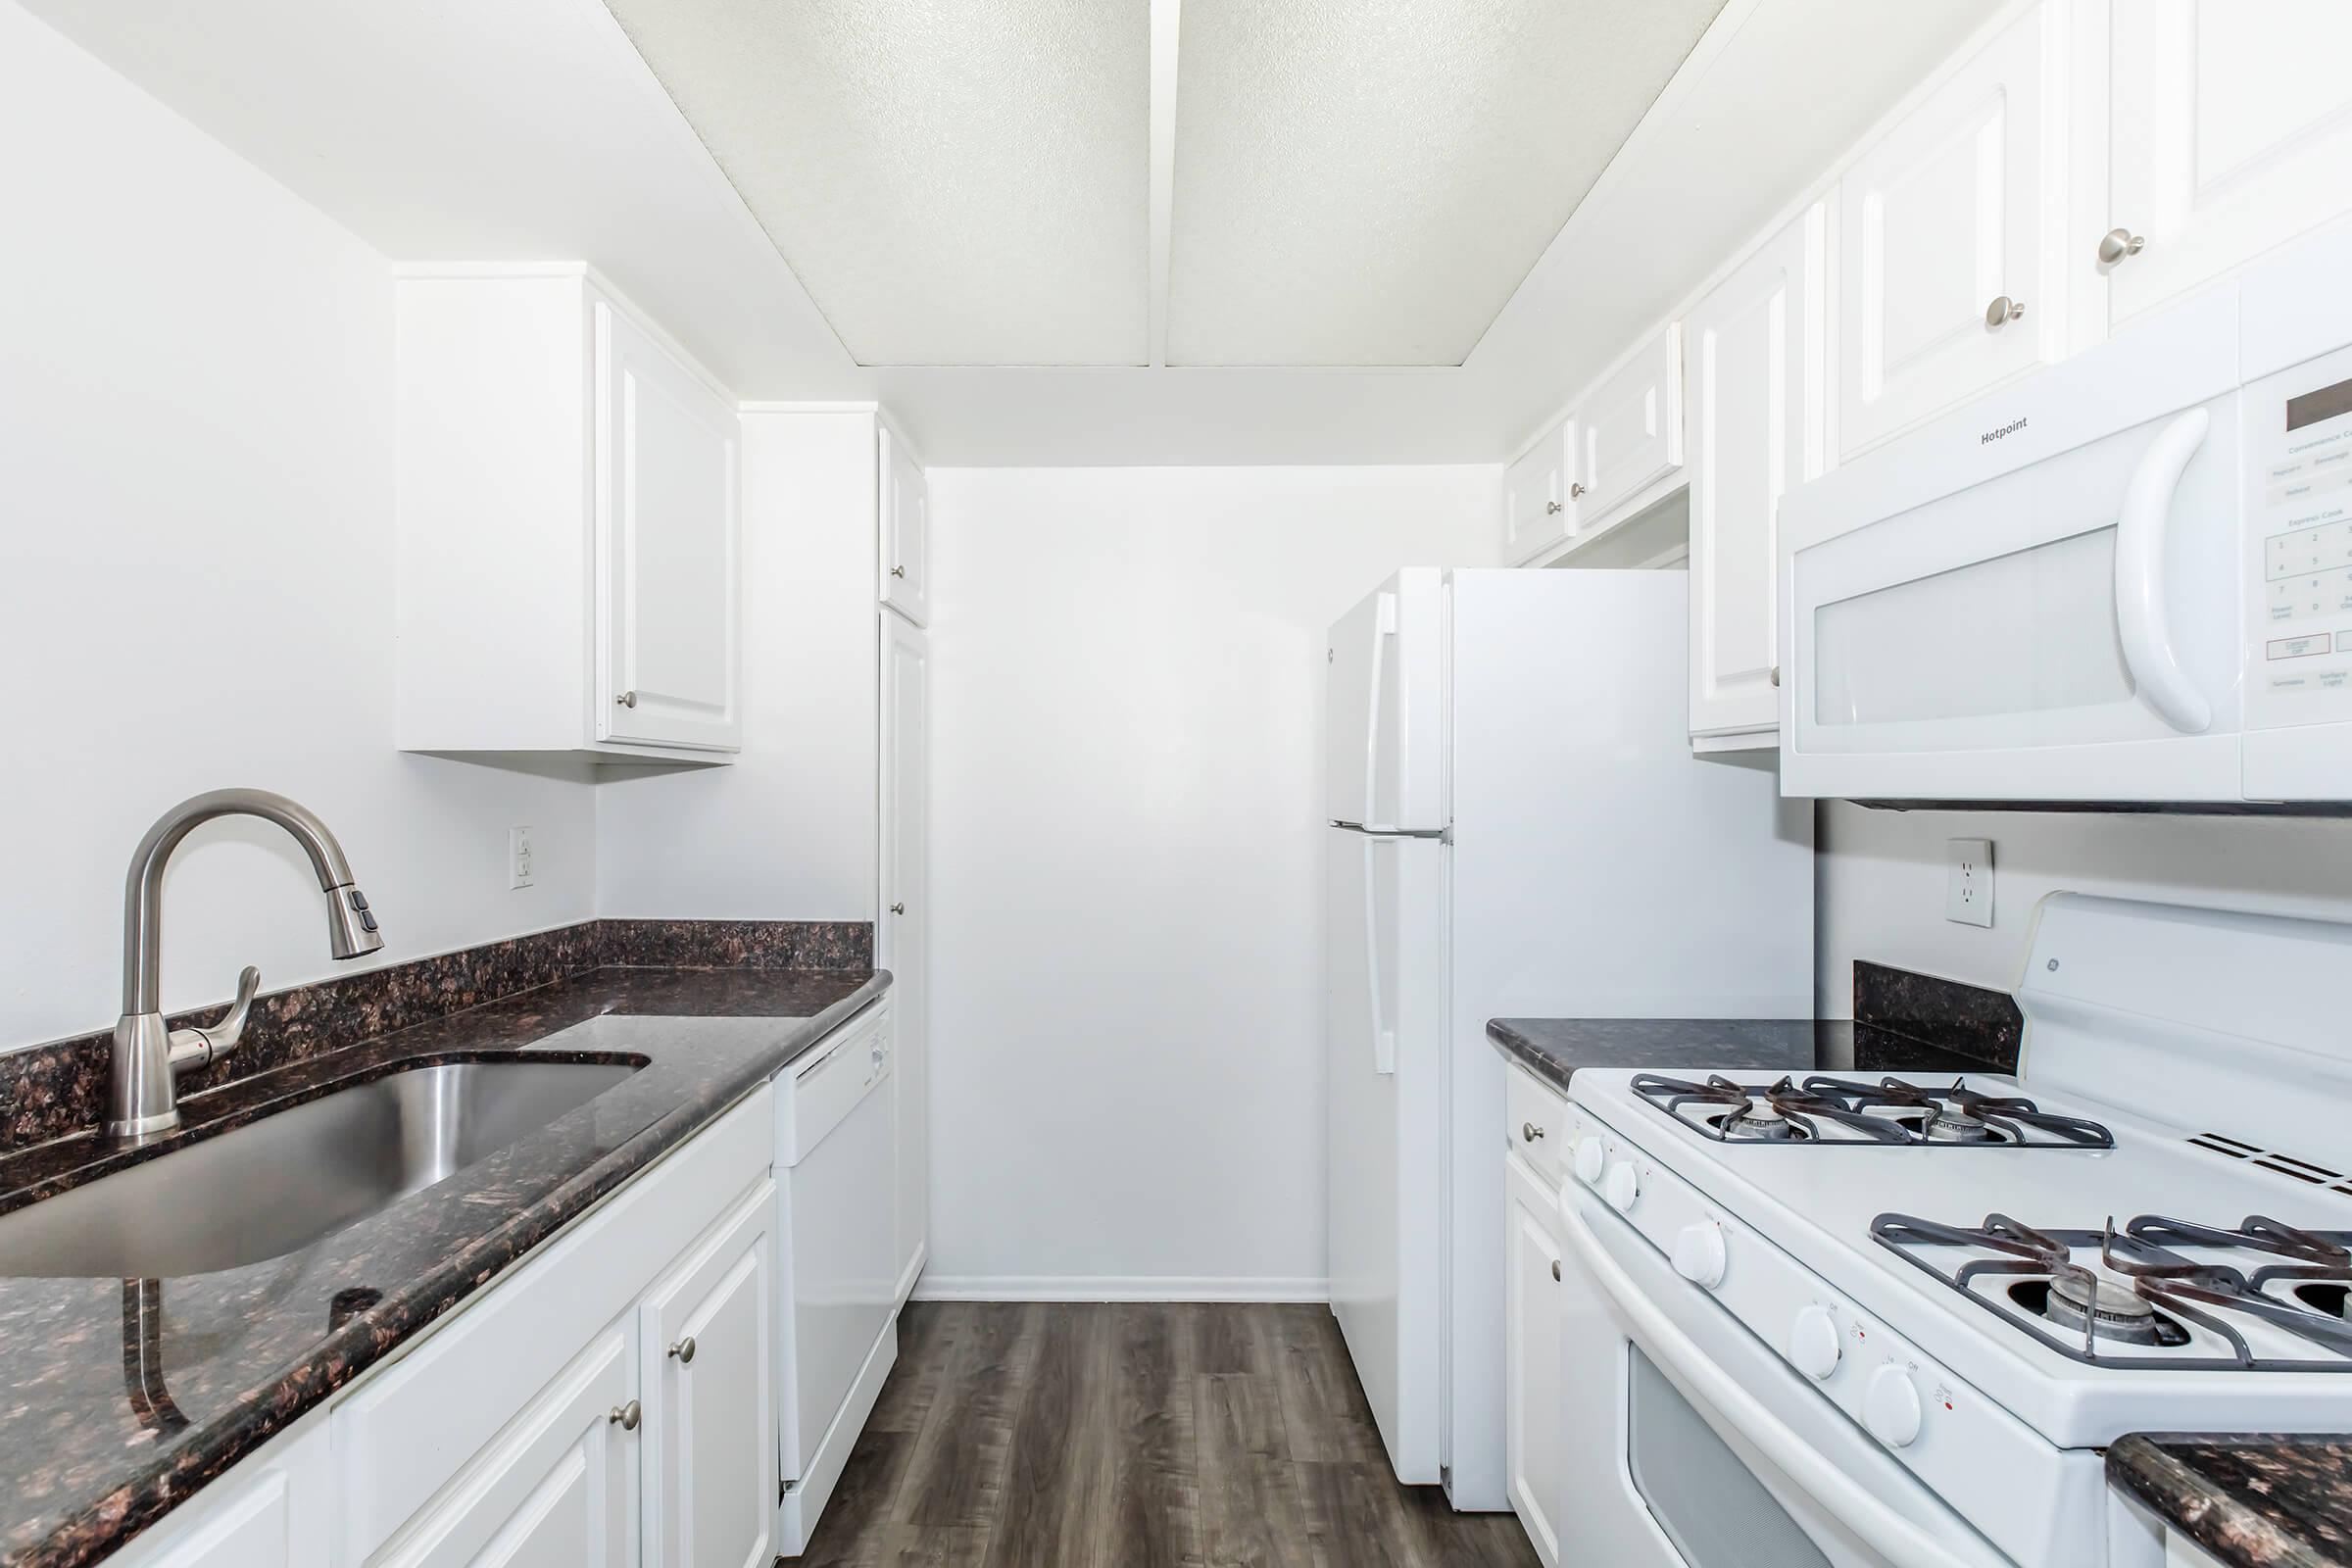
[(935, 1287)]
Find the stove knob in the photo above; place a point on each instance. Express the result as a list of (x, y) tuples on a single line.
[(1813, 1343), (1591, 1157), (1891, 1407), (1698, 1254), (1622, 1187)]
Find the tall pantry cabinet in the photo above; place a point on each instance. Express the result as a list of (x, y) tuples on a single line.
[(901, 940)]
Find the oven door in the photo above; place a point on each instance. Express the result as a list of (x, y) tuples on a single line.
[(2035, 599), (1689, 1445)]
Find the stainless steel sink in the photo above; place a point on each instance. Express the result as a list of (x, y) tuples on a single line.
[(297, 1175)]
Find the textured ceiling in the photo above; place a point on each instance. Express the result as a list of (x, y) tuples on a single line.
[(1366, 181), (955, 183)]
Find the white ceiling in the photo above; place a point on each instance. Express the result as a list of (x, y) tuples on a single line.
[(1365, 183), (953, 183), (533, 129)]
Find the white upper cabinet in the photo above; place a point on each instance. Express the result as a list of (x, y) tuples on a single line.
[(566, 510), (1753, 352), (906, 530), (1628, 432), (2232, 131), (667, 533), (1945, 247), (1535, 511)]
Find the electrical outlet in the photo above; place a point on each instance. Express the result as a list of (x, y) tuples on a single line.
[(518, 856), (1968, 885)]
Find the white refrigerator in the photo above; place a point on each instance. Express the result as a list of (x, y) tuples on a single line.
[(1517, 827)]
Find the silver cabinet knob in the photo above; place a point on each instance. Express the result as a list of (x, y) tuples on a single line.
[(626, 699), (684, 1350), (1530, 1132), (2118, 243), (1775, 674), (2003, 309), (626, 1416), (897, 571), (1576, 492), (898, 908), (1553, 508), (1555, 1268)]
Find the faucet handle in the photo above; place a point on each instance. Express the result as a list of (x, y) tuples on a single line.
[(195, 1047)]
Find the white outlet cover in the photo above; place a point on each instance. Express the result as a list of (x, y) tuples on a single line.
[(1968, 882), (518, 857)]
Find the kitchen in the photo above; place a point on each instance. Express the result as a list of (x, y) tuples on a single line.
[(988, 722)]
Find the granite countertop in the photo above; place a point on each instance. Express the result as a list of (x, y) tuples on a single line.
[(1554, 1048), (120, 1397), (2260, 1500)]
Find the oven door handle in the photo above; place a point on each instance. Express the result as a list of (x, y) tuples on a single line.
[(2140, 536), (1887, 1532)]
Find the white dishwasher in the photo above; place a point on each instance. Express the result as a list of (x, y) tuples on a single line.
[(836, 1166)]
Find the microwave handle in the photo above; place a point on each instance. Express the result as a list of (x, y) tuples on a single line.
[(2140, 536), (1887, 1533)]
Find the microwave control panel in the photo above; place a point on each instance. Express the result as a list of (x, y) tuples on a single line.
[(2299, 518)]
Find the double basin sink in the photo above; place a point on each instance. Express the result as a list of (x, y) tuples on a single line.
[(297, 1175)]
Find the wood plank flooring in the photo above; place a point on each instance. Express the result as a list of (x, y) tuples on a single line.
[(1033, 1436)]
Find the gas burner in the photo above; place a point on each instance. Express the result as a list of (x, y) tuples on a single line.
[(1759, 1121), (1839, 1111), (2084, 1300), (2142, 1295)]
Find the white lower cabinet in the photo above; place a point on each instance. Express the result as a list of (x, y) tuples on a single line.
[(1533, 1405), (709, 1434), (611, 1404), (554, 1489)]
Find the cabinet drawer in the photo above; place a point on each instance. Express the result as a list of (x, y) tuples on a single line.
[(1536, 1119), (407, 1433)]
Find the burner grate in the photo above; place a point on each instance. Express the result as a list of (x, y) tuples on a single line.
[(1843, 1111), (2311, 1266)]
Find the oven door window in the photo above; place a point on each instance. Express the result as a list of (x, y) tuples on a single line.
[(1717, 1514)]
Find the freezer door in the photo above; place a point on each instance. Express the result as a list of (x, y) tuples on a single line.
[(1384, 925), (1384, 763)]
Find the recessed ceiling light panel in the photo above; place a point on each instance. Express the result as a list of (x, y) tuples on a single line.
[(1365, 183), (955, 183)]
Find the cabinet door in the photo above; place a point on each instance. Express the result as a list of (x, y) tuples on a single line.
[(906, 530), (1533, 1403), (2232, 132), (1629, 432), (902, 946), (272, 1511), (1755, 381), (1943, 217), (1536, 514), (707, 1336), (666, 504), (559, 1490)]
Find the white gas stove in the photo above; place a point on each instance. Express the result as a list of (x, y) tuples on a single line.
[(2149, 1228)]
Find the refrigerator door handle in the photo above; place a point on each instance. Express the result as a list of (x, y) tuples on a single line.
[(1384, 631), (1384, 1033)]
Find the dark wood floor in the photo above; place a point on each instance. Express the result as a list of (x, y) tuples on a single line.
[(1027, 1435)]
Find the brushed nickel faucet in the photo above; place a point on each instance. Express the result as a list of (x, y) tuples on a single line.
[(149, 1055)]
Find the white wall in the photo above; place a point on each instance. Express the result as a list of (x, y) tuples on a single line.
[(1127, 879), (1881, 880), (788, 831), (195, 569)]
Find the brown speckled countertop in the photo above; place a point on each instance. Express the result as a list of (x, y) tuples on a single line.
[(2261, 1500), (120, 1398)]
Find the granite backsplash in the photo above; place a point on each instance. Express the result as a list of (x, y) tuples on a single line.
[(55, 1090), (1949, 1014)]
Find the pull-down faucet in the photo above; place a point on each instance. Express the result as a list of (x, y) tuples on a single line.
[(148, 1054)]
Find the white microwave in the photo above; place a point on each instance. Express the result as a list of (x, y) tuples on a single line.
[(2125, 578)]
